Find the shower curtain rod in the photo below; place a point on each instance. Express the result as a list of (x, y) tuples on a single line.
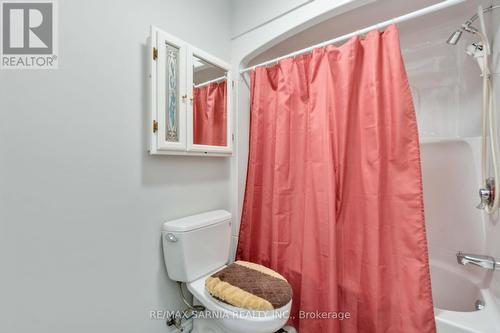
[(208, 82), (381, 25)]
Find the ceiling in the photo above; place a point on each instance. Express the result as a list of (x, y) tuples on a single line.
[(425, 29)]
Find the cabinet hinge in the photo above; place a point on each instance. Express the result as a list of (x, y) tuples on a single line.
[(232, 84), (155, 53), (155, 126), (232, 136)]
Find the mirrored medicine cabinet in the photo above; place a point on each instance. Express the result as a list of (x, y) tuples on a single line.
[(191, 95)]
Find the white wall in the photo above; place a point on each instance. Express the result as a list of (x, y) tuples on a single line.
[(250, 14), (81, 202)]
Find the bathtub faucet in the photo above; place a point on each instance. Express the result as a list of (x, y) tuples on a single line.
[(478, 260)]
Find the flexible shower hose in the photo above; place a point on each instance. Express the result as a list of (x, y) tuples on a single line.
[(489, 127)]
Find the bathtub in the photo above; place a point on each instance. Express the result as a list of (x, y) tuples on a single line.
[(450, 169), (455, 293)]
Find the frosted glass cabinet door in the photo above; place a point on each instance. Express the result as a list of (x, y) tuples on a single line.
[(169, 127)]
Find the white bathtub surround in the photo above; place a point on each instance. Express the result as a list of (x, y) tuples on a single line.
[(454, 224)]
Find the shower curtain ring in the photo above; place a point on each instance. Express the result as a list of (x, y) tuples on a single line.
[(361, 34)]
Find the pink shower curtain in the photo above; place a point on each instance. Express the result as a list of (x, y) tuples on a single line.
[(334, 190), (209, 115)]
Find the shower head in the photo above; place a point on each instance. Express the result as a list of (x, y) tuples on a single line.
[(467, 26), (455, 37)]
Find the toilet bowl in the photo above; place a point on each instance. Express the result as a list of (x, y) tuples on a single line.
[(196, 247), (231, 319)]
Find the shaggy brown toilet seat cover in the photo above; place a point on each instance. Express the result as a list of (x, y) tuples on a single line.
[(249, 286)]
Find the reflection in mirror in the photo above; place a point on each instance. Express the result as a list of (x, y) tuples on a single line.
[(209, 104)]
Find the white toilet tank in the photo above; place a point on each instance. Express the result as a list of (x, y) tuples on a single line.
[(196, 245)]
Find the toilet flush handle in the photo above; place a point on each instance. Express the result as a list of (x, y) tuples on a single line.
[(171, 237)]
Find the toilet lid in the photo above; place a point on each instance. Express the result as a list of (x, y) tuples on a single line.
[(249, 286)]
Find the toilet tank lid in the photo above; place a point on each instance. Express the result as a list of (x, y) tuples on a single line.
[(197, 221)]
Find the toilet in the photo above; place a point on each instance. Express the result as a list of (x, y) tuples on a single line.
[(197, 246)]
